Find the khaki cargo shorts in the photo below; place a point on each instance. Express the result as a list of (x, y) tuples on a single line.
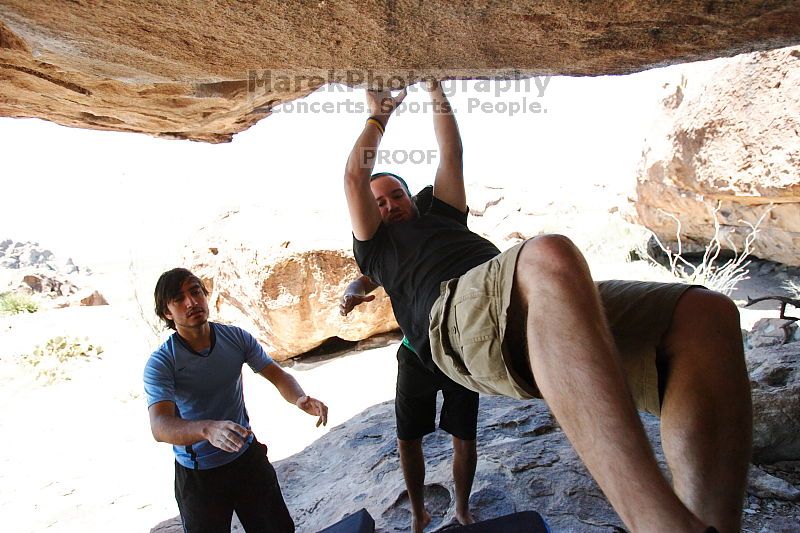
[(468, 325)]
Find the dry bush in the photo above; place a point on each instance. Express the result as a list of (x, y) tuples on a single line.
[(53, 359), (708, 271), (12, 303)]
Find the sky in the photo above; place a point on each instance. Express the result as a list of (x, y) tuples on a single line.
[(101, 197)]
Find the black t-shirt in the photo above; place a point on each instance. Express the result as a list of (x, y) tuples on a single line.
[(411, 259)]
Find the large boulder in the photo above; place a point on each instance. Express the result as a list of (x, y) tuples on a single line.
[(525, 462), (284, 287), (775, 380), (205, 73), (729, 138)]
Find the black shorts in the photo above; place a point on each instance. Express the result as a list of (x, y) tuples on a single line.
[(415, 401), (248, 485)]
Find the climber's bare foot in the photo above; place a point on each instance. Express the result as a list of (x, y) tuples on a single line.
[(465, 518), (418, 526)]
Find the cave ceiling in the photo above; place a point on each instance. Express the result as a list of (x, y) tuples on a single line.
[(206, 71)]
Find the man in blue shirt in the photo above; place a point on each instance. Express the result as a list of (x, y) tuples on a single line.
[(193, 384)]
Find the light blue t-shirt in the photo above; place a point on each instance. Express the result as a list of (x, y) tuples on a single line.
[(205, 385)]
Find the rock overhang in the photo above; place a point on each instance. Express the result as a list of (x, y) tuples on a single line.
[(175, 70)]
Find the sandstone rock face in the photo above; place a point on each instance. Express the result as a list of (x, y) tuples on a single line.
[(775, 380), (284, 287), (200, 73), (729, 137)]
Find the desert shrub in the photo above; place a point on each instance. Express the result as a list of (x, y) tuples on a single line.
[(710, 270), (12, 303), (53, 359)]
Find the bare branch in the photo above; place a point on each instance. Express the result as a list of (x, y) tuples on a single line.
[(722, 278)]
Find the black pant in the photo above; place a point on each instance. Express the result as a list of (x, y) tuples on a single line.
[(415, 401), (248, 485)]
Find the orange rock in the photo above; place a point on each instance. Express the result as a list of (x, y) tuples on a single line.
[(176, 71)]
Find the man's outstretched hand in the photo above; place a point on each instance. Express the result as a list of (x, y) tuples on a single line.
[(383, 103), (314, 407), (350, 301)]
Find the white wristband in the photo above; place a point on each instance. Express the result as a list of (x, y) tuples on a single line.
[(300, 400)]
